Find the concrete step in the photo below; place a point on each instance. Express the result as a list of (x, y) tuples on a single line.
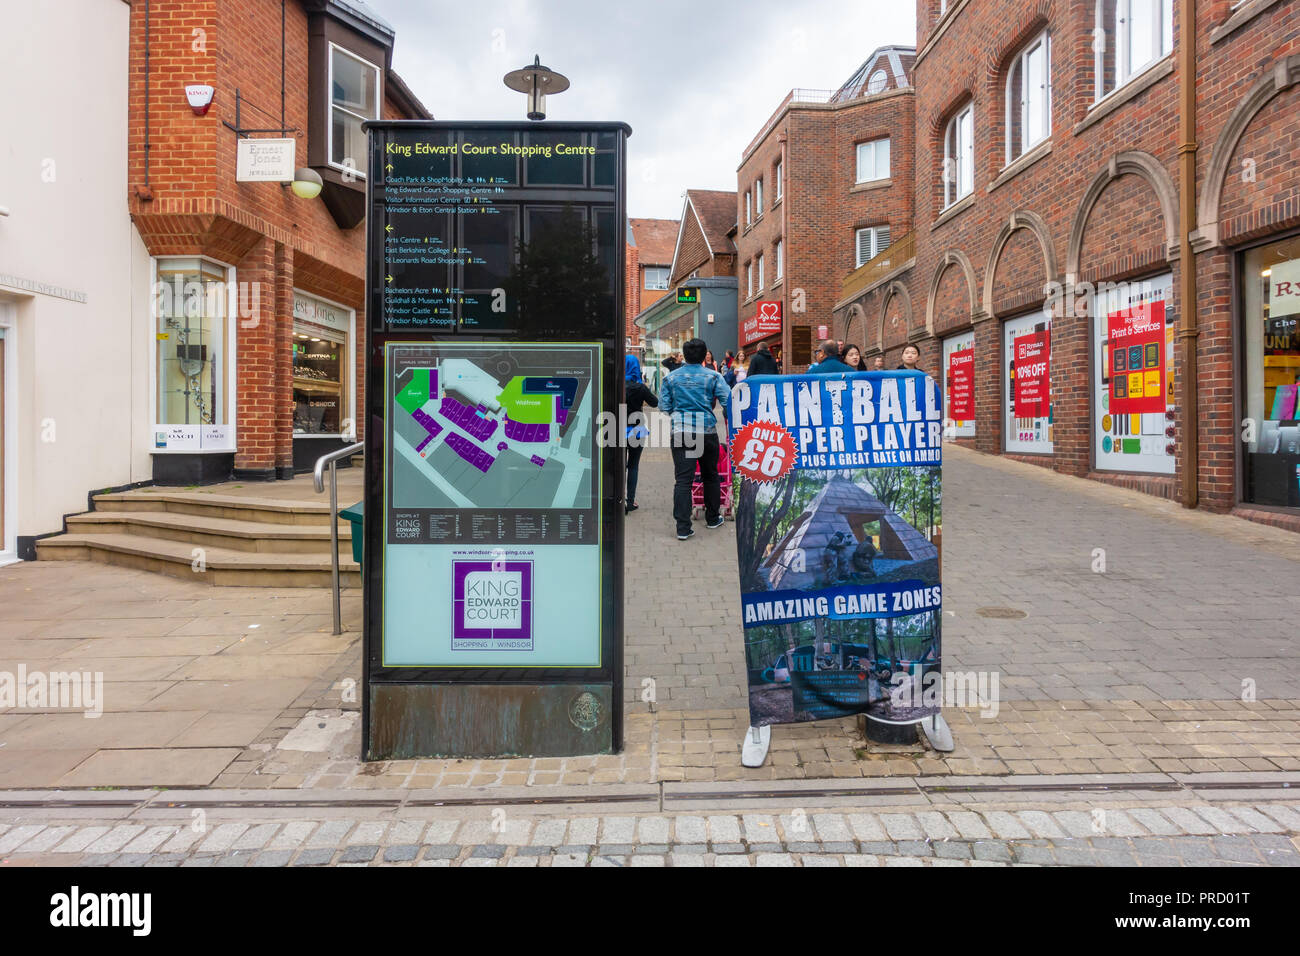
[(209, 532), (232, 507), (219, 566)]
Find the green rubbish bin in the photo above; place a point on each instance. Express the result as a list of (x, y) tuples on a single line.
[(355, 514)]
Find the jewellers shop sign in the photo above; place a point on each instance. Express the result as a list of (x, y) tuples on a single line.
[(765, 321), (310, 309)]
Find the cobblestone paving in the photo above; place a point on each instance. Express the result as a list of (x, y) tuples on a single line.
[(1141, 668), (1260, 834)]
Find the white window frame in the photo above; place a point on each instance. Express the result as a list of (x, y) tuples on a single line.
[(658, 270), (883, 76), (1020, 99), (956, 186), (230, 347), (1162, 41), (875, 149), (780, 189), (749, 209), (877, 247), (780, 259), (758, 197), (749, 269), (331, 106), (760, 274)]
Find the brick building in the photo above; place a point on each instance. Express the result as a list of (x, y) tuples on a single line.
[(821, 189), (1049, 237), (703, 270), (650, 244), (262, 371)]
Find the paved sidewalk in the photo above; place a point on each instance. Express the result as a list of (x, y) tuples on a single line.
[(1140, 668), (1117, 831)]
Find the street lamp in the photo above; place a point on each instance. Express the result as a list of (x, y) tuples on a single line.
[(535, 81), (307, 183)]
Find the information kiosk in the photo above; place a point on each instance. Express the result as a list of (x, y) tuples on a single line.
[(493, 560)]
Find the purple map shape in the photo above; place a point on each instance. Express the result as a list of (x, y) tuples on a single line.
[(470, 452)]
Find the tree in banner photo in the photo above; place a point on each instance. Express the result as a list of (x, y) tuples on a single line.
[(837, 484)]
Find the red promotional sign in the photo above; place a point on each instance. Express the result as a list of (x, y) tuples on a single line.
[(961, 385), (1033, 358), (764, 322), (1137, 358), (763, 451)]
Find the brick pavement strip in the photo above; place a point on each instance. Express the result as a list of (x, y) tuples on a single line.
[(1194, 834)]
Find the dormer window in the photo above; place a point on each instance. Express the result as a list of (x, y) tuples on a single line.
[(354, 98), (879, 80)]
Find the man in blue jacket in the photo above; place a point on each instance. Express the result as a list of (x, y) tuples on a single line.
[(688, 396)]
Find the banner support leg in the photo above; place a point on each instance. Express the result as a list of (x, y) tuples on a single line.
[(754, 751), (938, 733)]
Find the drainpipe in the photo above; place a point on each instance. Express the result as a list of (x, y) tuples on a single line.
[(786, 317), (1188, 331)]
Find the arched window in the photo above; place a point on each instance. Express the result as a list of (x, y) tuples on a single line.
[(879, 80), (1029, 97), (1129, 36), (959, 156)]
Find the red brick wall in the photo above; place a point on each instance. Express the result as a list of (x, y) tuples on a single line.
[(823, 206), (1126, 229), (193, 205)]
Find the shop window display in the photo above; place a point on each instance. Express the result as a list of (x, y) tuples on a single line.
[(1271, 339), (318, 370), (1133, 376), (191, 312), (1027, 391)]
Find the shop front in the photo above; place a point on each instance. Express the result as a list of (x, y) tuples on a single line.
[(669, 324), (1270, 375), (764, 325), (1133, 383), (324, 417), (1027, 389), (959, 385), (193, 367)]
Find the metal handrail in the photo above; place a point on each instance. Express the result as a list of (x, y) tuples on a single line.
[(318, 478)]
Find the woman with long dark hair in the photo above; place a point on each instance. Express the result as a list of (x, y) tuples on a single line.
[(851, 356), (637, 395)]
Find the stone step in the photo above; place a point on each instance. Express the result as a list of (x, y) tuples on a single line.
[(232, 507), (220, 566), (209, 532)]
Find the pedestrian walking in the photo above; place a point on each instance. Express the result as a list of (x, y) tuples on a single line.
[(742, 372), (911, 355), (828, 363), (762, 363), (851, 356), (688, 396), (710, 364), (636, 396)]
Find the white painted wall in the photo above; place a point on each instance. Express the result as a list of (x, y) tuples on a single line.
[(81, 374)]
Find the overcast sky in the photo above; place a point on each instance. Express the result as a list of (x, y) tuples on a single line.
[(695, 79)]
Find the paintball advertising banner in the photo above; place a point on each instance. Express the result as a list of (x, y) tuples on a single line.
[(838, 504)]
